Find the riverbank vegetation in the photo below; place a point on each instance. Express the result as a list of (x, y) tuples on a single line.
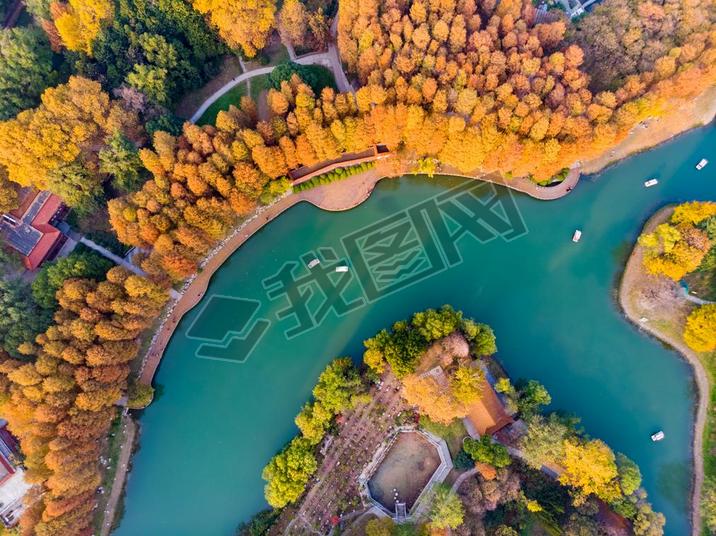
[(61, 404), (683, 243), (552, 475), (332, 176)]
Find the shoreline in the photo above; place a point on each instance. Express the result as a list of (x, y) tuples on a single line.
[(335, 197), (353, 191), (632, 275), (701, 110)]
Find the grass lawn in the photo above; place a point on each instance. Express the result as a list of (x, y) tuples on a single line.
[(279, 55), (453, 434), (233, 96), (259, 84)]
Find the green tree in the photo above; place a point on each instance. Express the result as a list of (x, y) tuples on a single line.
[(544, 441), (316, 76), (139, 395), (629, 474), (402, 347), (433, 325), (26, 69), (53, 274), (447, 511), (39, 9), (383, 526), (259, 524), (484, 342), (313, 421), (120, 158), (708, 504), (288, 472), (21, 319), (153, 81), (337, 385), (163, 48), (485, 450), (78, 187), (531, 397)]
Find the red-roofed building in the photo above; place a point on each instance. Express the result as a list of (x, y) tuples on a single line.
[(32, 230)]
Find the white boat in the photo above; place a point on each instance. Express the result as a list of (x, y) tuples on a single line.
[(576, 236), (314, 263), (658, 436), (702, 164), (341, 268), (651, 182)]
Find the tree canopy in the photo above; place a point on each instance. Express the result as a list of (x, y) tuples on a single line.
[(53, 275), (700, 330), (242, 24), (288, 472), (26, 69)]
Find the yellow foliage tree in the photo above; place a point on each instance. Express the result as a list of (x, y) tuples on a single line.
[(700, 329), (81, 21), (590, 468), (72, 122), (293, 22), (241, 23)]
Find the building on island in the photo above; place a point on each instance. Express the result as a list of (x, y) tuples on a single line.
[(487, 415), (13, 486), (33, 229)]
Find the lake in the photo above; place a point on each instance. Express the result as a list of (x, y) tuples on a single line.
[(216, 422)]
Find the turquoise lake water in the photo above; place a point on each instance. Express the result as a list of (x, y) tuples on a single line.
[(216, 423)]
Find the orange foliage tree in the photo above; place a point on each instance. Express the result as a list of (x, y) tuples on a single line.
[(61, 405)]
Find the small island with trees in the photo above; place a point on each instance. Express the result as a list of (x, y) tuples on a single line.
[(429, 436)]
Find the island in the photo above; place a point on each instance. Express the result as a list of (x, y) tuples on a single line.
[(428, 434)]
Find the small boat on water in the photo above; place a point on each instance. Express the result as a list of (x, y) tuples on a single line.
[(314, 263), (658, 436), (702, 164), (577, 236), (650, 183), (341, 268)]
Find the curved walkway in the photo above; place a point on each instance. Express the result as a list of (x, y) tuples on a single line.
[(322, 58), (330, 59), (633, 273), (338, 196)]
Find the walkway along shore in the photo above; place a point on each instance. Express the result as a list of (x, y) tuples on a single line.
[(338, 196), (351, 192), (632, 279)]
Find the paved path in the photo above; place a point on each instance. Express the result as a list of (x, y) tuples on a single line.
[(130, 430), (695, 299), (632, 275), (321, 58), (330, 59), (116, 259), (467, 474)]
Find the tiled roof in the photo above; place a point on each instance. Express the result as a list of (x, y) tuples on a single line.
[(32, 235)]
